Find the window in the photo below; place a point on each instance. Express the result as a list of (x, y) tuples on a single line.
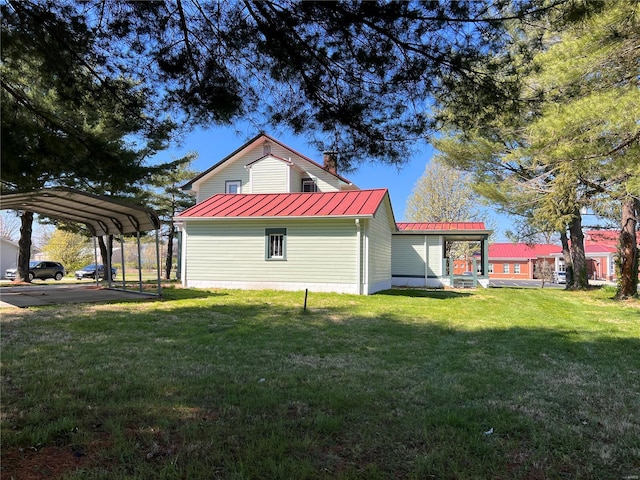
[(232, 186), (516, 268), (491, 268), (275, 243), (505, 268), (309, 185), (266, 148)]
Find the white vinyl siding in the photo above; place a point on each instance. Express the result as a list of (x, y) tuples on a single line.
[(295, 180), (216, 184), (316, 251), (234, 169), (408, 256), (270, 175), (379, 246), (434, 253), (417, 256)]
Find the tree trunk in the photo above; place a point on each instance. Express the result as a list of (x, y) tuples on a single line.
[(628, 250), (578, 257), (169, 259), (566, 254), (24, 247), (106, 252)]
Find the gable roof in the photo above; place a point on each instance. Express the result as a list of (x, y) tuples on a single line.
[(269, 155), (444, 226), (522, 250), (344, 204), (247, 145)]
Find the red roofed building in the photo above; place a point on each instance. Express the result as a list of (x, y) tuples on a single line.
[(518, 260)]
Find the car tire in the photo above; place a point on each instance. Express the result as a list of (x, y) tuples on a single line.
[(58, 276), (30, 276)]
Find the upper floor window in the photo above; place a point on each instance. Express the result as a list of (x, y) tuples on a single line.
[(232, 186), (266, 148), (309, 185)]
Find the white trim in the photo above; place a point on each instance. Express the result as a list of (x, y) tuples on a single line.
[(417, 282), (358, 257), (228, 183), (376, 287), (183, 246), (288, 286)]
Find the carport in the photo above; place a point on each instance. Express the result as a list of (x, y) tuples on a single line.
[(100, 214)]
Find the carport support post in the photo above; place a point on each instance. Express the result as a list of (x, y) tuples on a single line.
[(95, 258), (139, 263), (124, 281)]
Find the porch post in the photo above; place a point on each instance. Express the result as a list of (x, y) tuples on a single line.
[(485, 257)]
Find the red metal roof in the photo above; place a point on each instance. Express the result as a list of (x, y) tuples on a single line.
[(352, 203), (593, 249), (522, 250), (418, 226)]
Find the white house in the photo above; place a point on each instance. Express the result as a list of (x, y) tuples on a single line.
[(8, 255), (269, 217)]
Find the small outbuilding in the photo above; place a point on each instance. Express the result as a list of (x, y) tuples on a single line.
[(8, 255)]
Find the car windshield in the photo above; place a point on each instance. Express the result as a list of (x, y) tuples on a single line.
[(90, 267), (33, 264)]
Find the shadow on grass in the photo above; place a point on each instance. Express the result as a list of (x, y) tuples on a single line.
[(438, 294), (335, 387)]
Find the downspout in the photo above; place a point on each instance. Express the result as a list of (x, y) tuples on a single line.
[(183, 254), (359, 256)]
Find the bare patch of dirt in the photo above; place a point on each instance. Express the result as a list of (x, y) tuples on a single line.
[(50, 462), (45, 463)]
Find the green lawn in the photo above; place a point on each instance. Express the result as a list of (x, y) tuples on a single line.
[(483, 384)]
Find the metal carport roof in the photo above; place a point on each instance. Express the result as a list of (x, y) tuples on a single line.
[(102, 215)]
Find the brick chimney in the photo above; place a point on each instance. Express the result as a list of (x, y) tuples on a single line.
[(330, 162)]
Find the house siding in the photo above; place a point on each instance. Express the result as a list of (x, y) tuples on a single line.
[(276, 181), (270, 175), (378, 247), (408, 256), (435, 256), (216, 184), (295, 180), (222, 253), (416, 260)]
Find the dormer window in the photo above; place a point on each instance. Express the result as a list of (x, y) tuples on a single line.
[(266, 148), (309, 185)]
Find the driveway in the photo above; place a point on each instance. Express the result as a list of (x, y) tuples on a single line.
[(523, 283), (46, 294)]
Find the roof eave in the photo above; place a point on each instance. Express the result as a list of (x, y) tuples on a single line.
[(314, 217)]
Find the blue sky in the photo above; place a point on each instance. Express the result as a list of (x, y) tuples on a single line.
[(217, 142)]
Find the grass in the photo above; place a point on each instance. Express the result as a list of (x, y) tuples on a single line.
[(498, 383)]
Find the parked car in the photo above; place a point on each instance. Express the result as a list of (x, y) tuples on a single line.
[(40, 270), (559, 277), (89, 271)]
